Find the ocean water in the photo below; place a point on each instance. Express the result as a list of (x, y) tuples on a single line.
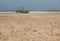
[(32, 12)]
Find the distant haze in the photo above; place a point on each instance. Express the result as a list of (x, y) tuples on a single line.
[(30, 4)]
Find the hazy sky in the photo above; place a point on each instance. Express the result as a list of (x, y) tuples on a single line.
[(30, 4)]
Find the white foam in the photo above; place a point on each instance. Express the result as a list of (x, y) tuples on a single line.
[(43, 12), (7, 12), (34, 12)]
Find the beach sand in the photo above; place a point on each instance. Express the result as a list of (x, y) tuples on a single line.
[(29, 27)]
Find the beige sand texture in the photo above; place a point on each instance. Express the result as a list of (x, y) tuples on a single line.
[(29, 27)]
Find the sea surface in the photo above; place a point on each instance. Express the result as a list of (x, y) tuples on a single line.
[(31, 12)]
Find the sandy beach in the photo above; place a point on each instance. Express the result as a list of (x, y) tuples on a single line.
[(29, 27)]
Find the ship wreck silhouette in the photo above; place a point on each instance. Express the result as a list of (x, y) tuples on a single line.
[(23, 10)]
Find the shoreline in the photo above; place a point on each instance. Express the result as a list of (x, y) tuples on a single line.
[(35, 12)]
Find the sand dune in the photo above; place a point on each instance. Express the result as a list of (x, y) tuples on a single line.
[(29, 27)]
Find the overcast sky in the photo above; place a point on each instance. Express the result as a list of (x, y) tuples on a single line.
[(30, 4)]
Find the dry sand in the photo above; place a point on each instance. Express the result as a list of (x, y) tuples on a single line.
[(29, 27)]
